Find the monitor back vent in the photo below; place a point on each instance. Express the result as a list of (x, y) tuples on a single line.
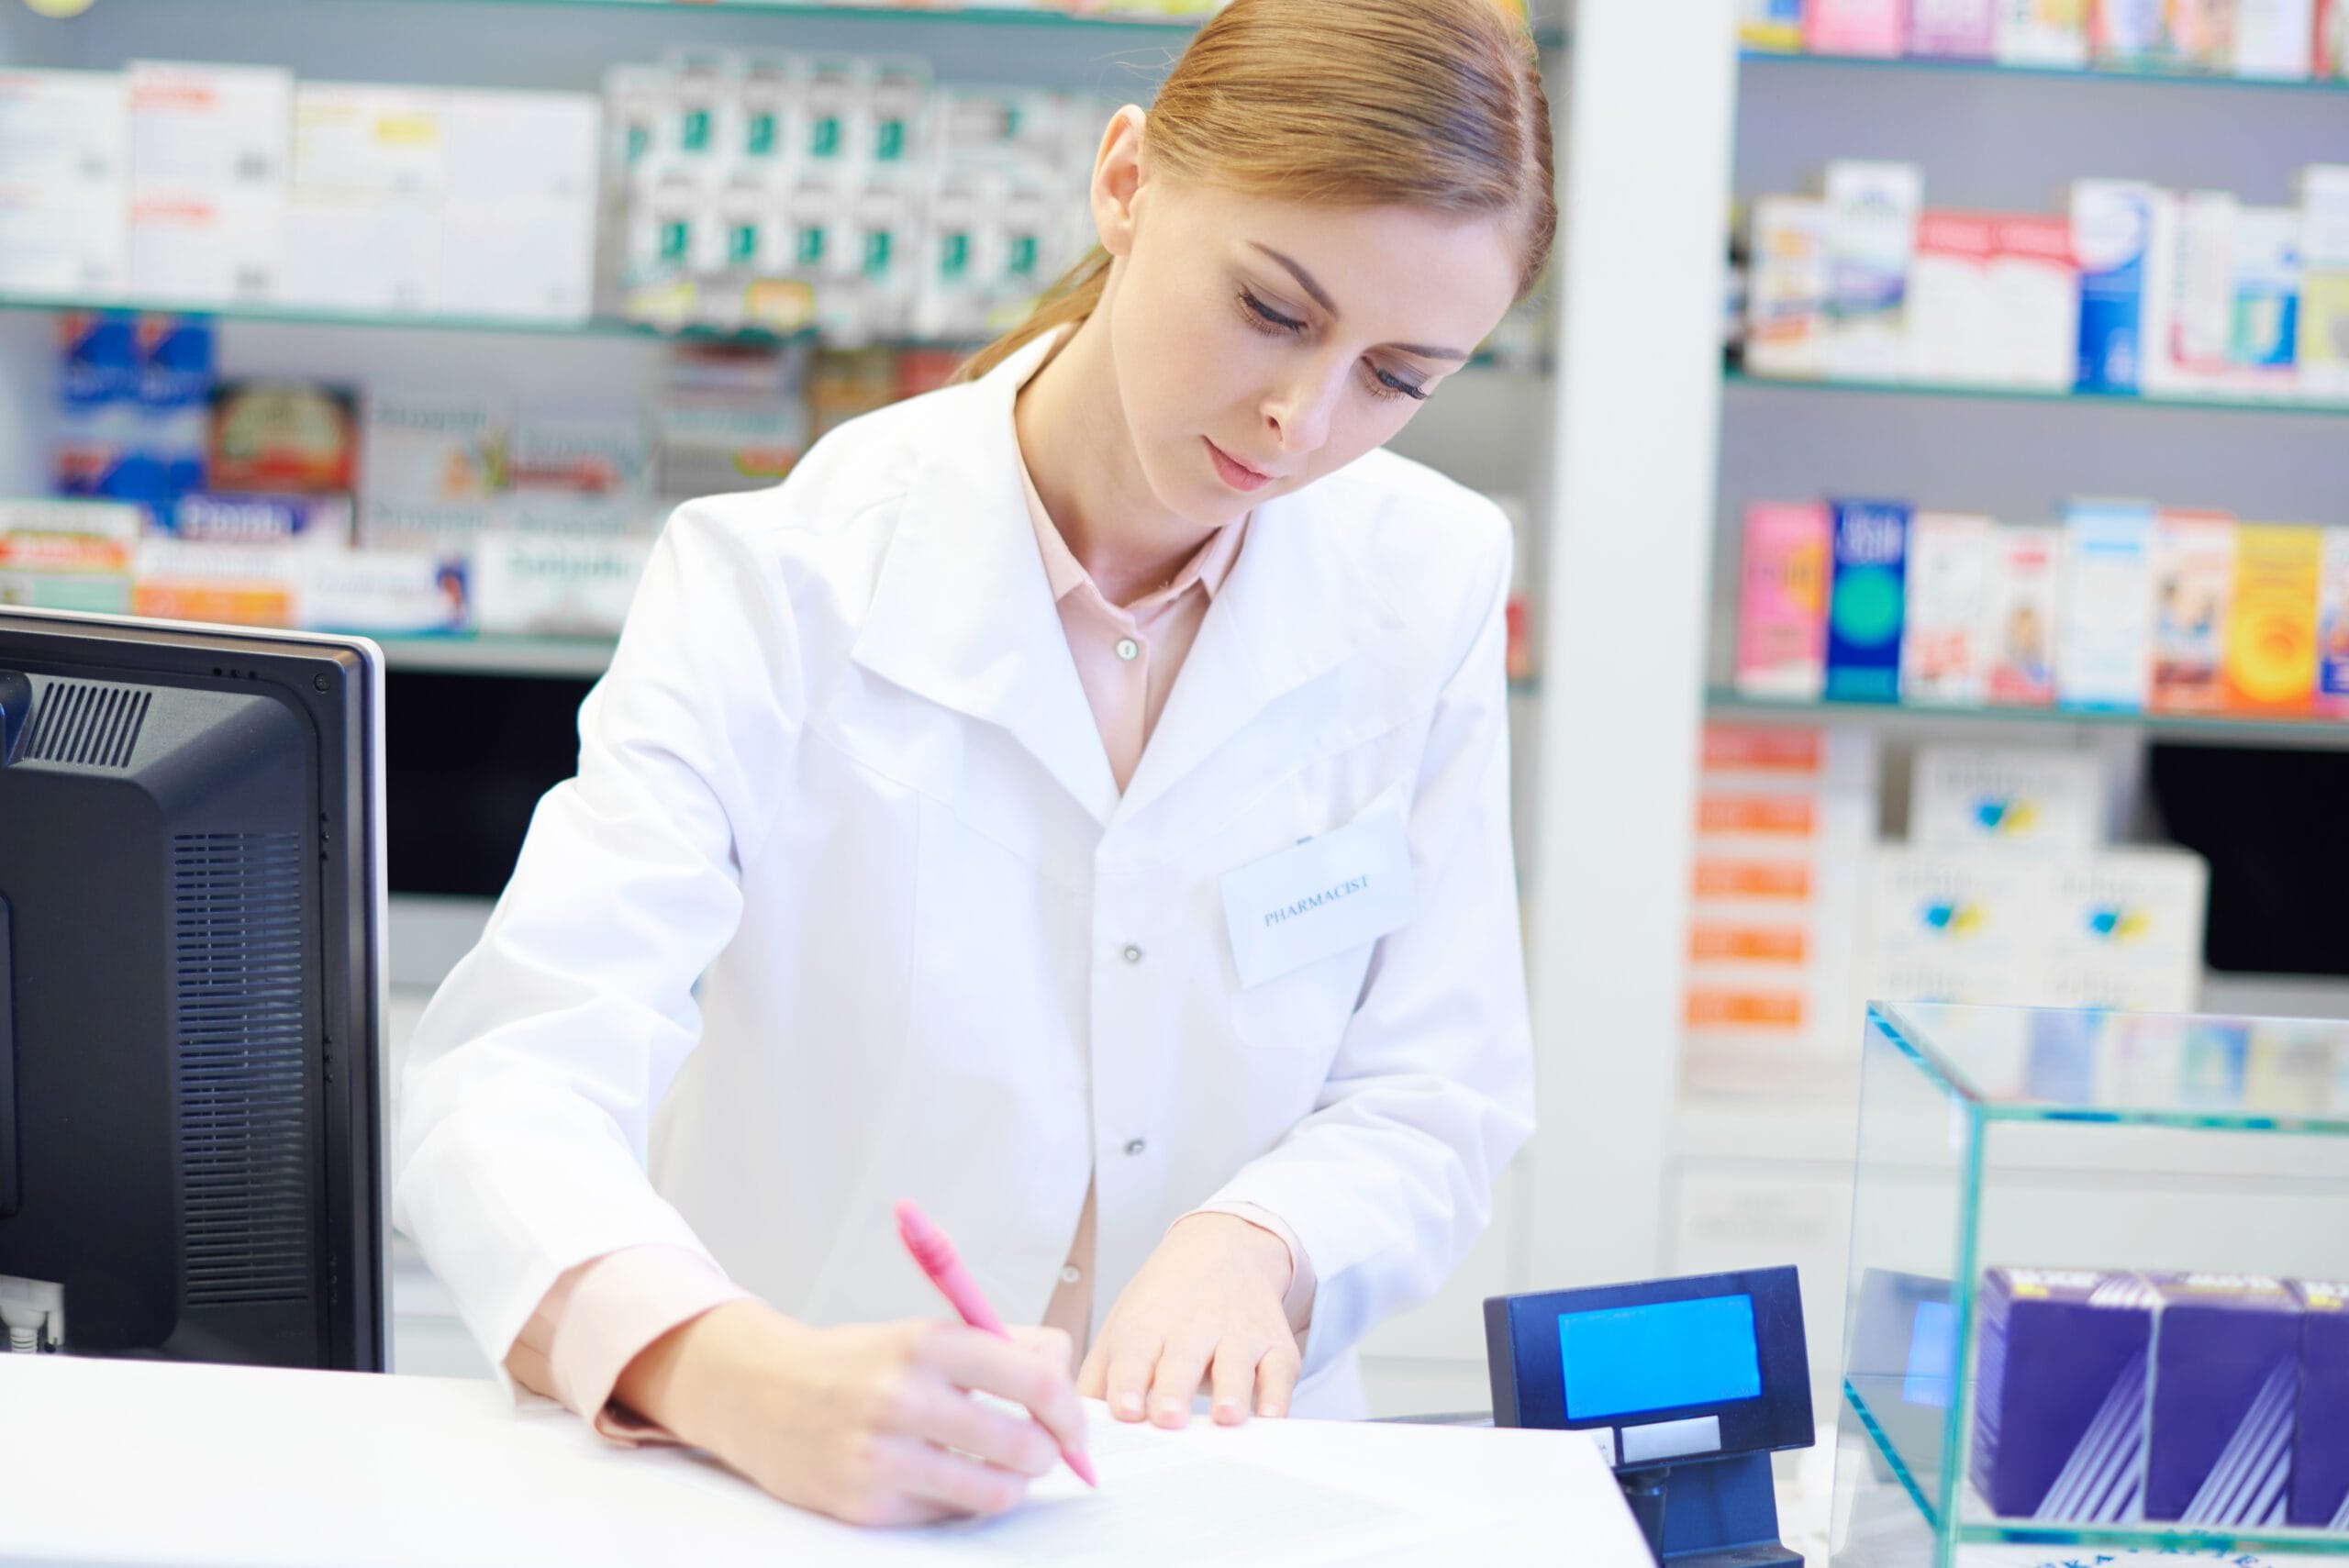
[(244, 1081), (90, 725)]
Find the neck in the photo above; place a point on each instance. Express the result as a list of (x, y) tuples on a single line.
[(1080, 453)]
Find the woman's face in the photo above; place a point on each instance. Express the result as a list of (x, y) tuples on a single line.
[(1259, 345)]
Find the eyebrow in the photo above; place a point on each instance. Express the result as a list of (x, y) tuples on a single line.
[(1305, 281)]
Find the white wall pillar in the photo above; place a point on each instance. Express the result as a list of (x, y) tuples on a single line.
[(1646, 176)]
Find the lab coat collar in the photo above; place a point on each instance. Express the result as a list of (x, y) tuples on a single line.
[(964, 613)]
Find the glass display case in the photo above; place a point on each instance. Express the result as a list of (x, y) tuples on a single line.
[(2096, 1296)]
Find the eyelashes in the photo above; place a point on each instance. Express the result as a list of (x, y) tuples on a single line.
[(1262, 318)]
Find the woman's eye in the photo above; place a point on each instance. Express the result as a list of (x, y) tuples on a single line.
[(1268, 319), (1387, 384)]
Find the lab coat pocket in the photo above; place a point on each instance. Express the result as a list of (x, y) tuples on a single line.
[(1306, 1009)]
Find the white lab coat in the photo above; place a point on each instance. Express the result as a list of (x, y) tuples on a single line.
[(842, 773)]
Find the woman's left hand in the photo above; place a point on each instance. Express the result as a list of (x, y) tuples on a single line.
[(1206, 1306)]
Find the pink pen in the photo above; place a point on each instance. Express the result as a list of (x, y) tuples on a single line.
[(937, 1257)]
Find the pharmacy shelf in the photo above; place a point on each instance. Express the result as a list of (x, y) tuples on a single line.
[(1042, 17), (418, 321), (2213, 730), (562, 658), (2052, 72), (1737, 380)]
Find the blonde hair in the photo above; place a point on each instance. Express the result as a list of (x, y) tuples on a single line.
[(1436, 105)]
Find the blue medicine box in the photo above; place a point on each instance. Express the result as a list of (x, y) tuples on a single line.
[(2225, 1393), (2059, 1417), (2321, 1454)]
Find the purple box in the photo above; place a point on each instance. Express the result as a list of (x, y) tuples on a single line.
[(1953, 29), (2320, 1457), (2225, 1389), (2059, 1410)]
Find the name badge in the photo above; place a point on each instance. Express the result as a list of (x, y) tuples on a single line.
[(1336, 891)]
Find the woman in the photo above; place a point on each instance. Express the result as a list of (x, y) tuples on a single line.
[(901, 863)]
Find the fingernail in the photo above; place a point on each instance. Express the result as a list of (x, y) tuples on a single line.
[(1129, 1403), (1169, 1409), (1227, 1412)]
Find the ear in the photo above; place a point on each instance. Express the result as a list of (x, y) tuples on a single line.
[(1117, 179)]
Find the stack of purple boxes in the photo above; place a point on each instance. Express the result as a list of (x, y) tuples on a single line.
[(2220, 1400)]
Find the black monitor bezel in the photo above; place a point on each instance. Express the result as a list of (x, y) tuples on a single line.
[(322, 677), (1778, 1419)]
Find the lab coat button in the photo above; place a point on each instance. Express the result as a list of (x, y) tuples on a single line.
[(1070, 1273), (1128, 650), (1136, 1146), (1133, 953)]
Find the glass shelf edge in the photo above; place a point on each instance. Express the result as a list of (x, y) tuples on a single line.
[(1891, 1455), (2282, 1125), (2044, 72), (2248, 731), (2316, 408)]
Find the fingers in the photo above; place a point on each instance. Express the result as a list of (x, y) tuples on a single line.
[(951, 1419), (1182, 1367), (1093, 1377), (1051, 1345), (1126, 1383), (970, 1359), (1233, 1379), (1277, 1378), (922, 1472)]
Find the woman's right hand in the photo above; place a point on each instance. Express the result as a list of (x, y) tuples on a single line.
[(873, 1424)]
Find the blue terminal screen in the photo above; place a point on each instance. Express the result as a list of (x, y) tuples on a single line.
[(1631, 1360)]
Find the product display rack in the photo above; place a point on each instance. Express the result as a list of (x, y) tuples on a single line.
[(2048, 73), (2058, 1140)]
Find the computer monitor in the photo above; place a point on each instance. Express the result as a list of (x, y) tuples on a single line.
[(191, 921)]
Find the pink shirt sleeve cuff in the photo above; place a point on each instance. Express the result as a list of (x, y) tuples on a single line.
[(603, 1314), (1298, 1302)]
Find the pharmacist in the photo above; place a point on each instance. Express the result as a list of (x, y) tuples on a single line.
[(1075, 800)]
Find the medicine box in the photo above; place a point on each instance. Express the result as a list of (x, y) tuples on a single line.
[(2112, 231), (1782, 622), (1872, 214), (1786, 301), (2271, 663), (2022, 604), (2324, 277), (1854, 26), (2225, 1392), (2194, 571), (2104, 657), (2052, 33), (1948, 607), (2020, 800), (2333, 625), (2059, 1418), (2320, 1452), (2123, 929), (1867, 600), (2034, 309)]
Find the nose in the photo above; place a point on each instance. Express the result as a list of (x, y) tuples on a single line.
[(1300, 410)]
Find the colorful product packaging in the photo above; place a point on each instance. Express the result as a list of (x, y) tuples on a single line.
[(228, 585), (2320, 1452), (100, 448), (1941, 927), (2189, 295), (1872, 210), (2132, 33), (2034, 302), (288, 437), (2018, 801), (1786, 299), (401, 592), (2324, 279), (2047, 33), (537, 585), (2333, 40), (2274, 38), (2225, 1392), (68, 554), (2271, 662), (2021, 596), (176, 376), (435, 448), (2104, 657), (1953, 333), (1867, 598), (1953, 29), (2194, 571), (2264, 325), (1942, 656), (1782, 623), (209, 159), (320, 521), (63, 184), (1854, 26), (2122, 930), (2332, 625), (1774, 26), (581, 452), (2112, 230), (2059, 1415)]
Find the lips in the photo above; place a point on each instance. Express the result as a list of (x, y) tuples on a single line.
[(1234, 472)]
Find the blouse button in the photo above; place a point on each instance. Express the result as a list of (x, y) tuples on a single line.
[(1128, 650)]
